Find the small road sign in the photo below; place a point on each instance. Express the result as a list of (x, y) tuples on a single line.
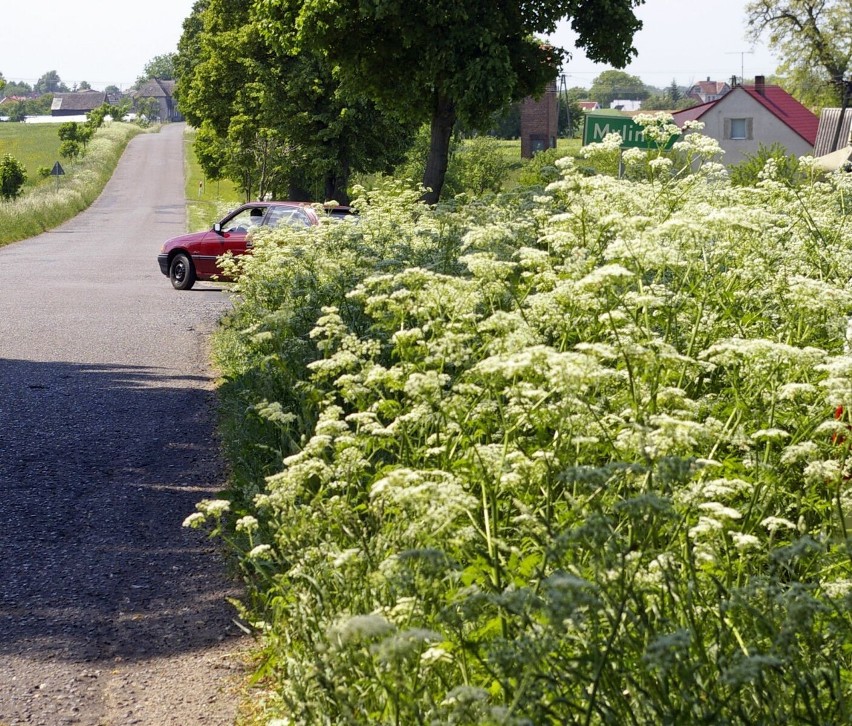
[(632, 134), (57, 170)]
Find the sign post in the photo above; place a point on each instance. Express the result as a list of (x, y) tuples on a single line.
[(57, 171)]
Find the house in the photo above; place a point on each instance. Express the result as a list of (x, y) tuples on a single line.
[(706, 91), (626, 105), (748, 116), (77, 104), (163, 91), (587, 106)]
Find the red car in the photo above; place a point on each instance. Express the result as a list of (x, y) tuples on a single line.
[(192, 257)]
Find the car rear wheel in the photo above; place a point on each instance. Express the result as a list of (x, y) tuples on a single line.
[(181, 272)]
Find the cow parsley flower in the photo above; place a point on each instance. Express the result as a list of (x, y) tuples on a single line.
[(247, 524), (213, 507), (194, 520), (260, 552)]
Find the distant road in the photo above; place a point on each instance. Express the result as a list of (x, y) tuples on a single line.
[(110, 612)]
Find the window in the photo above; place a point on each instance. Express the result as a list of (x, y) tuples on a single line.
[(738, 128)]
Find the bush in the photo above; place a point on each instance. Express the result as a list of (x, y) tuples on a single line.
[(12, 177), (541, 169), (479, 166), (785, 166)]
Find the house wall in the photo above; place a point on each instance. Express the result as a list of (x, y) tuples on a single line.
[(766, 128)]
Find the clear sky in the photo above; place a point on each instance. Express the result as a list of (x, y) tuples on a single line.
[(110, 43), (687, 40), (103, 43)]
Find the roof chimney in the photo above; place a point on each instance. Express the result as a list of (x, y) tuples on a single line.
[(708, 79), (760, 85)]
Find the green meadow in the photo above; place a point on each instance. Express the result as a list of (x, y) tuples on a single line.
[(34, 145)]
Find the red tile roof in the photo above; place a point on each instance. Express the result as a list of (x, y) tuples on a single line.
[(788, 109), (775, 100), (693, 112)]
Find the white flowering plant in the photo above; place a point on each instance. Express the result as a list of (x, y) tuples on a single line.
[(574, 455)]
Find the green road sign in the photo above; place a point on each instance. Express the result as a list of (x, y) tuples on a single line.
[(632, 134)]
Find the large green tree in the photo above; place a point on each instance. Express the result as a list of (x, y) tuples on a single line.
[(613, 85), (50, 82), (444, 61), (279, 111), (813, 41)]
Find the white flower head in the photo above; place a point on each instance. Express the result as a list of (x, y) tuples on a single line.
[(194, 520), (246, 524), (260, 552)]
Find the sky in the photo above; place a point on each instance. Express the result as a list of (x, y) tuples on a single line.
[(110, 43), (103, 43), (685, 40)]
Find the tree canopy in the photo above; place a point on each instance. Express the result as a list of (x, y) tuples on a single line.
[(50, 82), (614, 84), (272, 118), (441, 60), (813, 42)]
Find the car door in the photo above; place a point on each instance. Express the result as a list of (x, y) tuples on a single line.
[(230, 237)]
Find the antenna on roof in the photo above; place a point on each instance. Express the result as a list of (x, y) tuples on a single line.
[(741, 54)]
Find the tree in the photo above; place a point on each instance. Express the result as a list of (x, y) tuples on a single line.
[(506, 124), (570, 116), (12, 177), (161, 66), (613, 84), (443, 62), (50, 82), (2, 82), (84, 86), (577, 93), (17, 88), (674, 93), (813, 42), (280, 110), (17, 111)]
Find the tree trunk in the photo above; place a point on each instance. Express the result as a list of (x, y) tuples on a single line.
[(443, 120), (336, 183)]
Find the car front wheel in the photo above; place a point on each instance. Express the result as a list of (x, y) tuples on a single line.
[(181, 272)]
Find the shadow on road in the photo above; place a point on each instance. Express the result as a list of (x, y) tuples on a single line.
[(99, 465)]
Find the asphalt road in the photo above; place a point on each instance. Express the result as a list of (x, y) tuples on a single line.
[(110, 611)]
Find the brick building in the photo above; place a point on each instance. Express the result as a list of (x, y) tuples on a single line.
[(539, 122)]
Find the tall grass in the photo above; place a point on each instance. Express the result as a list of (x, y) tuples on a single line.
[(49, 205)]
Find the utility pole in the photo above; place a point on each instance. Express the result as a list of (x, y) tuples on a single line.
[(562, 96)]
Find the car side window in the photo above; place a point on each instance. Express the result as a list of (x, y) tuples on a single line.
[(245, 220), (290, 216)]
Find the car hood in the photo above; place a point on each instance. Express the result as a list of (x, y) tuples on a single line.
[(185, 239)]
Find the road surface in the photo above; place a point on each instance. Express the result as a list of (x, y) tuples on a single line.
[(110, 611)]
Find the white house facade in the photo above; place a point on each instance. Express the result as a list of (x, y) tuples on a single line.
[(750, 116)]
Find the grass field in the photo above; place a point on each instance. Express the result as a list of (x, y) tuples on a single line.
[(34, 145), (205, 200)]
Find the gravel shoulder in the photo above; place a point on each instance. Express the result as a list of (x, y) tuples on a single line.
[(110, 611)]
